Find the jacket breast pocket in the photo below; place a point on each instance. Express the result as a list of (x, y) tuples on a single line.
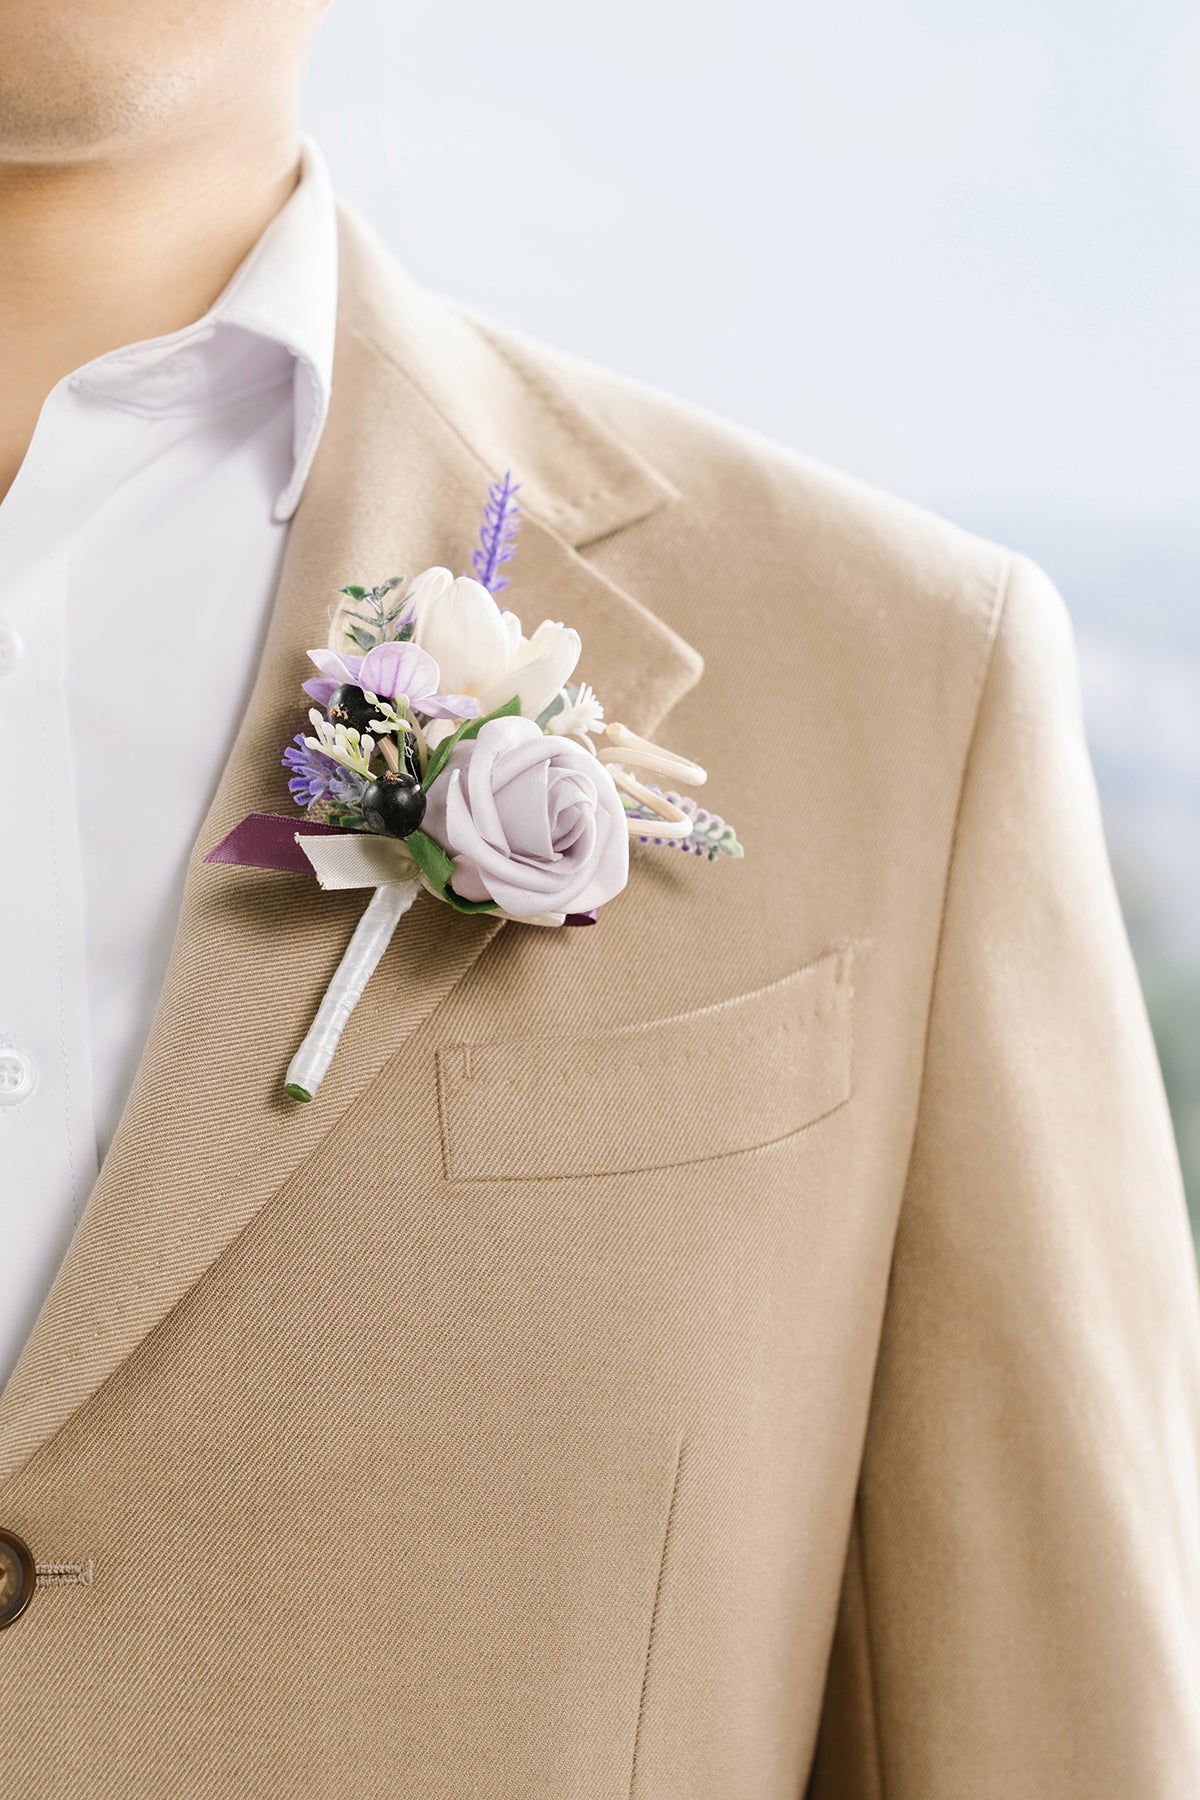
[(728, 1077)]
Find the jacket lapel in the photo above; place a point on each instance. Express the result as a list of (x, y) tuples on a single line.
[(425, 410)]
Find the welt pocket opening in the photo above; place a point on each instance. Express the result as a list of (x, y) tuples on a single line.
[(727, 1077)]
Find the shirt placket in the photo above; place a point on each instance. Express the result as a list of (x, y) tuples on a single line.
[(48, 1161)]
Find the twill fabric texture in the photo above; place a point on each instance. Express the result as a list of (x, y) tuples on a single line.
[(141, 627), (746, 1349)]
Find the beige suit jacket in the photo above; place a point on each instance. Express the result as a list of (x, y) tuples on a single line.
[(745, 1348)]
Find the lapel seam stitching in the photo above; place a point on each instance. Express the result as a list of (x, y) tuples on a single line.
[(668, 492), (551, 398)]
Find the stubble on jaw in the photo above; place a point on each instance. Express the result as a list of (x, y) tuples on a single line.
[(63, 105), (74, 112), (85, 79)]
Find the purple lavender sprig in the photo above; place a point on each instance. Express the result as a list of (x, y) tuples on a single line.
[(314, 777), (497, 534), (710, 836)]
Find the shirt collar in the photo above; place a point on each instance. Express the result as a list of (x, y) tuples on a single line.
[(284, 293)]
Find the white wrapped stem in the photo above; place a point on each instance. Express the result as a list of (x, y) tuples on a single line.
[(372, 935)]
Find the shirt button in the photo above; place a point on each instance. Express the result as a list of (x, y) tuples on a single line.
[(18, 1577), (18, 1076), (10, 648)]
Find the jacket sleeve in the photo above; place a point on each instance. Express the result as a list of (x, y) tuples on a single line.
[(1020, 1616)]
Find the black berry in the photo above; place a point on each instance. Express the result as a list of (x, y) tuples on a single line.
[(393, 805), (348, 705)]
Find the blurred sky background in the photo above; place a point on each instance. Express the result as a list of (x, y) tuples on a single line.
[(952, 246)]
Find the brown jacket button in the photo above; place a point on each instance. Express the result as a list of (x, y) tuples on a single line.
[(18, 1577)]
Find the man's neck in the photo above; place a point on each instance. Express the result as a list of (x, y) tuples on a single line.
[(107, 251)]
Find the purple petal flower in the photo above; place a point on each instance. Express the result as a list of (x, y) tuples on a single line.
[(449, 706), (321, 688), (337, 667), (392, 670)]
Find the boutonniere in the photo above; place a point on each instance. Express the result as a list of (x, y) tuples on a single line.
[(446, 750)]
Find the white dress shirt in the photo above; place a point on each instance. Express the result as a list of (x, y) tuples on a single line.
[(140, 546)]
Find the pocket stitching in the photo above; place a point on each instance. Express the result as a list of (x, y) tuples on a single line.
[(785, 1029)]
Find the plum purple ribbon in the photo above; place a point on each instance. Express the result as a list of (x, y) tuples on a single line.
[(268, 841)]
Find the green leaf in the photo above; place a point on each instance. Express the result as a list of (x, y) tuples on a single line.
[(355, 593), (552, 710), (430, 858), (445, 750), (438, 869), (468, 906), (361, 636)]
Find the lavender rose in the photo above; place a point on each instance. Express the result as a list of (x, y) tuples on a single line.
[(534, 823)]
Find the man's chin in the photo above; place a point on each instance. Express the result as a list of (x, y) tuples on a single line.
[(59, 106)]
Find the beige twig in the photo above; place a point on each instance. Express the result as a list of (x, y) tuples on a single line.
[(670, 821), (639, 753)]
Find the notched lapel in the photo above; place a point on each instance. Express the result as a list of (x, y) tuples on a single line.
[(207, 1138)]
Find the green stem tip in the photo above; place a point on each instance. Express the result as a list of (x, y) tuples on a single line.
[(295, 1092)]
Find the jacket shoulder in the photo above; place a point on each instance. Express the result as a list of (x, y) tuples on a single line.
[(798, 526)]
